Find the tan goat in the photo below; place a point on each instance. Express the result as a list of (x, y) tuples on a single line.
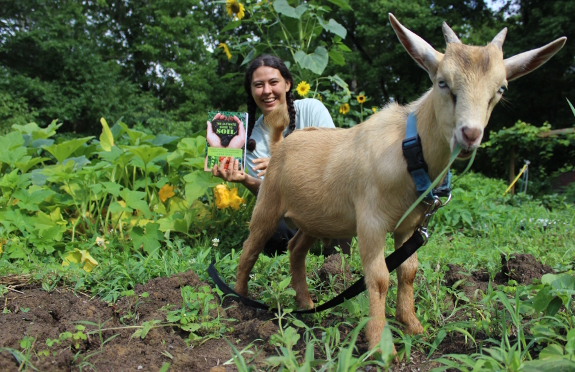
[(338, 183)]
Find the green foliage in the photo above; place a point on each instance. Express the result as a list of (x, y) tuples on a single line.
[(62, 195), (199, 315), (547, 154)]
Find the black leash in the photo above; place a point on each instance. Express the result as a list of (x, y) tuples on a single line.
[(418, 239)]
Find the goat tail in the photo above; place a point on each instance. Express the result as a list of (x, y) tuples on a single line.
[(276, 122)]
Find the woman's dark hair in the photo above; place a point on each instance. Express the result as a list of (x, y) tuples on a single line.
[(278, 64)]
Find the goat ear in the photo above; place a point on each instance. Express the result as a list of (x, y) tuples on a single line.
[(450, 36), (500, 38), (524, 63), (423, 53)]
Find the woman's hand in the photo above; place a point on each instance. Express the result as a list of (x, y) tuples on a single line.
[(232, 174), (240, 139), (261, 166)]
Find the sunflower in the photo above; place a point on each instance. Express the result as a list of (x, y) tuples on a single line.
[(361, 98), (320, 97), (235, 9), (374, 109), (344, 109), (226, 50), (303, 89)]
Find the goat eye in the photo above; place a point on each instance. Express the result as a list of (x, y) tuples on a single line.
[(501, 90), (442, 84)]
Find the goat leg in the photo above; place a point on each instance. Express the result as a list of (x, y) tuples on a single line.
[(298, 247), (262, 226), (405, 310), (371, 246)]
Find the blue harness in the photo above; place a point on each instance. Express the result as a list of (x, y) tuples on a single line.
[(416, 165)]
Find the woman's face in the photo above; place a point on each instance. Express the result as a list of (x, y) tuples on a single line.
[(269, 88)]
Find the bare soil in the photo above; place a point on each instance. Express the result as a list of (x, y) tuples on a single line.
[(45, 315)]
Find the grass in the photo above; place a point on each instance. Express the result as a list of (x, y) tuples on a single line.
[(513, 327)]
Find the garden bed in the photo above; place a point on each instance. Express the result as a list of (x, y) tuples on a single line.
[(35, 316)]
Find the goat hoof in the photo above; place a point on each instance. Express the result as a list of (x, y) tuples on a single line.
[(306, 304), (413, 329)]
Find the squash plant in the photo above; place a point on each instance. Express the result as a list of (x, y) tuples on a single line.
[(126, 185)]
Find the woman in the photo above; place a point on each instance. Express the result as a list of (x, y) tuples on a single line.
[(268, 84)]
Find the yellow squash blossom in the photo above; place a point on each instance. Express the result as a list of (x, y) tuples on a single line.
[(235, 9), (235, 200), (166, 192), (303, 89), (374, 109), (344, 109), (224, 46), (79, 257), (361, 98), (225, 197)]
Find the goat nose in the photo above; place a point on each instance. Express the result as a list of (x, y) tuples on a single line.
[(470, 135)]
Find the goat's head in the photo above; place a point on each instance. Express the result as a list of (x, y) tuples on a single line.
[(468, 81)]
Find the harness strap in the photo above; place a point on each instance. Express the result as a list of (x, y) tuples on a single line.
[(392, 261), (416, 165)]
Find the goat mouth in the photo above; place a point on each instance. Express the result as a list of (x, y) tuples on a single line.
[(464, 154)]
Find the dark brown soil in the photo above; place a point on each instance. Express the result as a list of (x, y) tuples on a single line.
[(523, 268), (43, 315)]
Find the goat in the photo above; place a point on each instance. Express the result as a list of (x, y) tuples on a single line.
[(339, 183)]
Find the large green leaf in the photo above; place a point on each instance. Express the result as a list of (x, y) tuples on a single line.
[(106, 138), (13, 156), (27, 162), (315, 62), (179, 221), (36, 132), (147, 153), (341, 3), (134, 200), (339, 81), (231, 26), (336, 57), (148, 239), (11, 141), (197, 183), (63, 150), (333, 27), (282, 7), (136, 137), (31, 201), (194, 147)]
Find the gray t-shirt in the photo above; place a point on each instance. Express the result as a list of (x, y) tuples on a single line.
[(309, 113)]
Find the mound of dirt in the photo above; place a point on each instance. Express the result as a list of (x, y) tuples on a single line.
[(520, 267), (42, 315), (332, 267)]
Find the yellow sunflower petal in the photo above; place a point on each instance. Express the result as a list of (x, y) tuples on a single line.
[(303, 88), (235, 9), (344, 109), (224, 46)]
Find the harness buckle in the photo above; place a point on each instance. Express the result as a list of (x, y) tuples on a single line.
[(413, 154)]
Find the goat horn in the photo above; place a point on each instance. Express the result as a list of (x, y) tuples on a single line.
[(450, 36), (500, 38)]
